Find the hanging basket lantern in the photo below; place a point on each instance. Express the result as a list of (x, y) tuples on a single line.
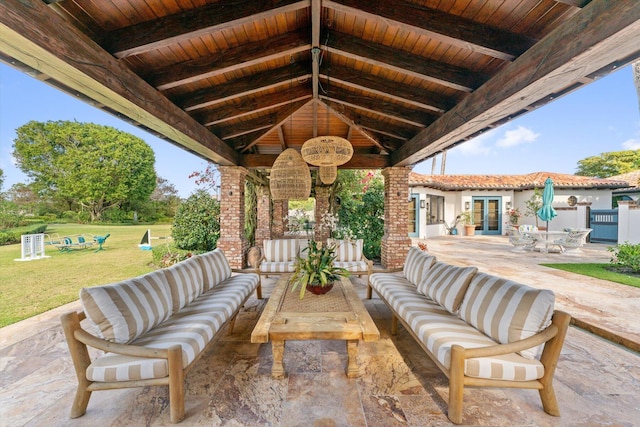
[(327, 151), (290, 177), (328, 174)]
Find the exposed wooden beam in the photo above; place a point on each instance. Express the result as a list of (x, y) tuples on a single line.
[(281, 116), (358, 161), (393, 90), (373, 53), (252, 105), (193, 23), (242, 87), (236, 129), (229, 60), (449, 29), (398, 112), (353, 126), (26, 34), (602, 33), (575, 3), (283, 142)]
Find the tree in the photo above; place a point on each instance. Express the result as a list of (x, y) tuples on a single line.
[(98, 166), (609, 164), (197, 223)]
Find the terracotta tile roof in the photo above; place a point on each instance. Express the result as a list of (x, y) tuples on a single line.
[(633, 178), (511, 182)]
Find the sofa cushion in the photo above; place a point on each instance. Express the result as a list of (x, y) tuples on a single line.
[(446, 284), (507, 311), (347, 250), (125, 310), (185, 280), (192, 328), (215, 268), (280, 250), (277, 267), (417, 264)]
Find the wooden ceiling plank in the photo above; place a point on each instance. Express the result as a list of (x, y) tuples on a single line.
[(353, 126), (229, 60), (214, 17), (440, 26), (242, 87), (600, 34), (411, 95), (280, 117), (358, 161), (252, 105), (71, 57), (384, 56)]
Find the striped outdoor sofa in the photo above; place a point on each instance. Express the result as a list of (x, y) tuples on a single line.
[(153, 328), (479, 329)]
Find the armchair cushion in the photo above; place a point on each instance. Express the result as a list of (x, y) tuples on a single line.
[(348, 250), (280, 250), (215, 268), (125, 310), (507, 311)]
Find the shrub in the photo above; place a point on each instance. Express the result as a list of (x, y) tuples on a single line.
[(14, 236), (197, 223), (627, 256), (167, 255)]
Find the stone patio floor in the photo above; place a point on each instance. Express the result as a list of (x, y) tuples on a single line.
[(597, 381)]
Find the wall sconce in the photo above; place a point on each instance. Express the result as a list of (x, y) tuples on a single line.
[(467, 205), (422, 204), (508, 205), (572, 200)]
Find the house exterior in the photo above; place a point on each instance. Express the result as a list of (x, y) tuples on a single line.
[(632, 192), (436, 200)]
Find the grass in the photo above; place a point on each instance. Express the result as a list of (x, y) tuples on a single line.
[(599, 271), (31, 287)]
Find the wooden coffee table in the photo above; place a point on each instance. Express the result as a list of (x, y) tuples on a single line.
[(337, 315)]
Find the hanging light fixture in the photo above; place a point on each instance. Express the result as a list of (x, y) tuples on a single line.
[(327, 150), (290, 178), (328, 174)]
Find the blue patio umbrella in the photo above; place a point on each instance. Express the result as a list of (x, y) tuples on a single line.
[(546, 212)]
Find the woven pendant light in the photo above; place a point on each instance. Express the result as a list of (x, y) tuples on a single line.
[(290, 177), (328, 174), (327, 150)]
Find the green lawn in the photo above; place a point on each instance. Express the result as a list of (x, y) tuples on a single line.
[(599, 271), (28, 288)]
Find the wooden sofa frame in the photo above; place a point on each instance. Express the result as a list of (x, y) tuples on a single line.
[(552, 337), (78, 339)]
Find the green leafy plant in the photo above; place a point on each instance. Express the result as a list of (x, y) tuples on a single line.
[(197, 223), (466, 218), (534, 204), (317, 268), (626, 256)]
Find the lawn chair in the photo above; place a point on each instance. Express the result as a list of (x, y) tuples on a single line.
[(576, 238), (100, 240), (65, 244), (521, 242)]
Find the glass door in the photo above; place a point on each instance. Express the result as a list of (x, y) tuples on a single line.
[(414, 214), (487, 216)]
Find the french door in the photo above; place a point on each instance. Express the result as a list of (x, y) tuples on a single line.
[(414, 215), (486, 215)]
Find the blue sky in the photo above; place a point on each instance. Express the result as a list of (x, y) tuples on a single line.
[(598, 118)]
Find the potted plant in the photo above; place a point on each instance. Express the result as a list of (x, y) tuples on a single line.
[(467, 220), (534, 204), (316, 272)]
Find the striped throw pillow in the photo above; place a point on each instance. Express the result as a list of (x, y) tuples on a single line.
[(215, 268), (348, 250), (125, 310), (417, 264), (280, 250), (446, 284), (185, 281), (507, 311)]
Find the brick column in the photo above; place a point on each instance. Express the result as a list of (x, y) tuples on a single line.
[(280, 211), (322, 207), (263, 227), (232, 240), (396, 240)]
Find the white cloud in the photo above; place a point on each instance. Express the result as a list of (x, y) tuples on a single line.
[(631, 144), (521, 135), (476, 146)]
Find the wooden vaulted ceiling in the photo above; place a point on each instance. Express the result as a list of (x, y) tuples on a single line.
[(237, 82)]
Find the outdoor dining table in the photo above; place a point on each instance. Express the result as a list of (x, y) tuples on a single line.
[(548, 239)]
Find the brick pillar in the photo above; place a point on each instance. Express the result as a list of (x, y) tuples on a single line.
[(263, 227), (280, 211), (232, 240), (322, 207), (396, 240)]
